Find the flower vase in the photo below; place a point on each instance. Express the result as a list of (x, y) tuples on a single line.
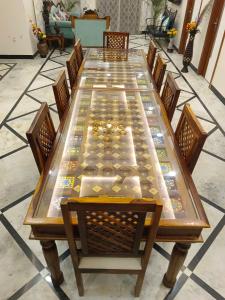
[(188, 52), (170, 46), (42, 48)]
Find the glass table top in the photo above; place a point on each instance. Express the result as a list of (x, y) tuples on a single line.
[(115, 143)]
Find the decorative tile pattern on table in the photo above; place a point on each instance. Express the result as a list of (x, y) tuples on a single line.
[(194, 281)]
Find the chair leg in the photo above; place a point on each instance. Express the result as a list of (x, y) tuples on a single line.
[(79, 281), (139, 283)]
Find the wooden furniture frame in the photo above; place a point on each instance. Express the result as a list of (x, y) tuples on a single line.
[(159, 72), (104, 233), (170, 95), (79, 53), (115, 40), (72, 68), (151, 55), (59, 38), (62, 94), (182, 232), (41, 136), (190, 137), (91, 17)]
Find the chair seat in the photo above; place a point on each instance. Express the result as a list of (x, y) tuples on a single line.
[(116, 263)]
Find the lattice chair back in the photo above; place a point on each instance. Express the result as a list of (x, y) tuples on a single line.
[(41, 136), (109, 230), (79, 53), (190, 137), (62, 94), (170, 95), (159, 72), (151, 55), (72, 68), (115, 40)]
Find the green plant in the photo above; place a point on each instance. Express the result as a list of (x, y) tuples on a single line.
[(157, 7), (69, 4)]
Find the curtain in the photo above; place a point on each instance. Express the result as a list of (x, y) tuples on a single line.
[(130, 11), (110, 8), (124, 14)]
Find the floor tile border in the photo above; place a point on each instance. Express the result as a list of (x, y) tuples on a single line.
[(9, 69), (194, 92), (206, 287), (24, 92), (14, 203), (26, 287), (205, 247), (21, 243), (13, 151)]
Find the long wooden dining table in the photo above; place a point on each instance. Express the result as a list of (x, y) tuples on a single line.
[(116, 141)]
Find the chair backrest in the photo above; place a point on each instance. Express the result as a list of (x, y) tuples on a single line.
[(170, 95), (72, 68), (109, 229), (89, 29), (41, 136), (62, 94), (159, 72), (190, 137), (115, 40), (79, 53), (171, 14), (151, 55)]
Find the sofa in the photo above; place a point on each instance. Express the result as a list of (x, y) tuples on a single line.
[(56, 21)]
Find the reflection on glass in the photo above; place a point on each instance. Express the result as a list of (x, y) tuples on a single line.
[(114, 142)]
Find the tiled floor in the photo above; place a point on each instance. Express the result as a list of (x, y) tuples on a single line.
[(23, 274)]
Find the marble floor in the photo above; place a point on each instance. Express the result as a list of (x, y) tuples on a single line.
[(24, 84)]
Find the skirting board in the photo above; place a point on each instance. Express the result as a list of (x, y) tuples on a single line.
[(5, 56)]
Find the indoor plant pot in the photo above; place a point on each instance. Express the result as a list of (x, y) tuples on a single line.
[(42, 48)]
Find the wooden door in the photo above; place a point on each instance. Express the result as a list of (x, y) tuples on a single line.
[(213, 26), (187, 19)]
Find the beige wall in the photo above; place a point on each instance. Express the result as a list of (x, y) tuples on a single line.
[(218, 78), (216, 48), (200, 37), (16, 37)]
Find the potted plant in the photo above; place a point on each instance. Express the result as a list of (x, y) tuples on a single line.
[(171, 34), (157, 8), (42, 43)]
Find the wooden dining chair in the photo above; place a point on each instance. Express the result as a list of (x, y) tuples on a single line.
[(151, 55), (159, 72), (110, 237), (72, 68), (79, 53), (115, 40), (41, 136), (190, 137), (170, 95), (62, 94)]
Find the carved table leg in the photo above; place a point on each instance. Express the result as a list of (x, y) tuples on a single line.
[(52, 259), (178, 256)]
